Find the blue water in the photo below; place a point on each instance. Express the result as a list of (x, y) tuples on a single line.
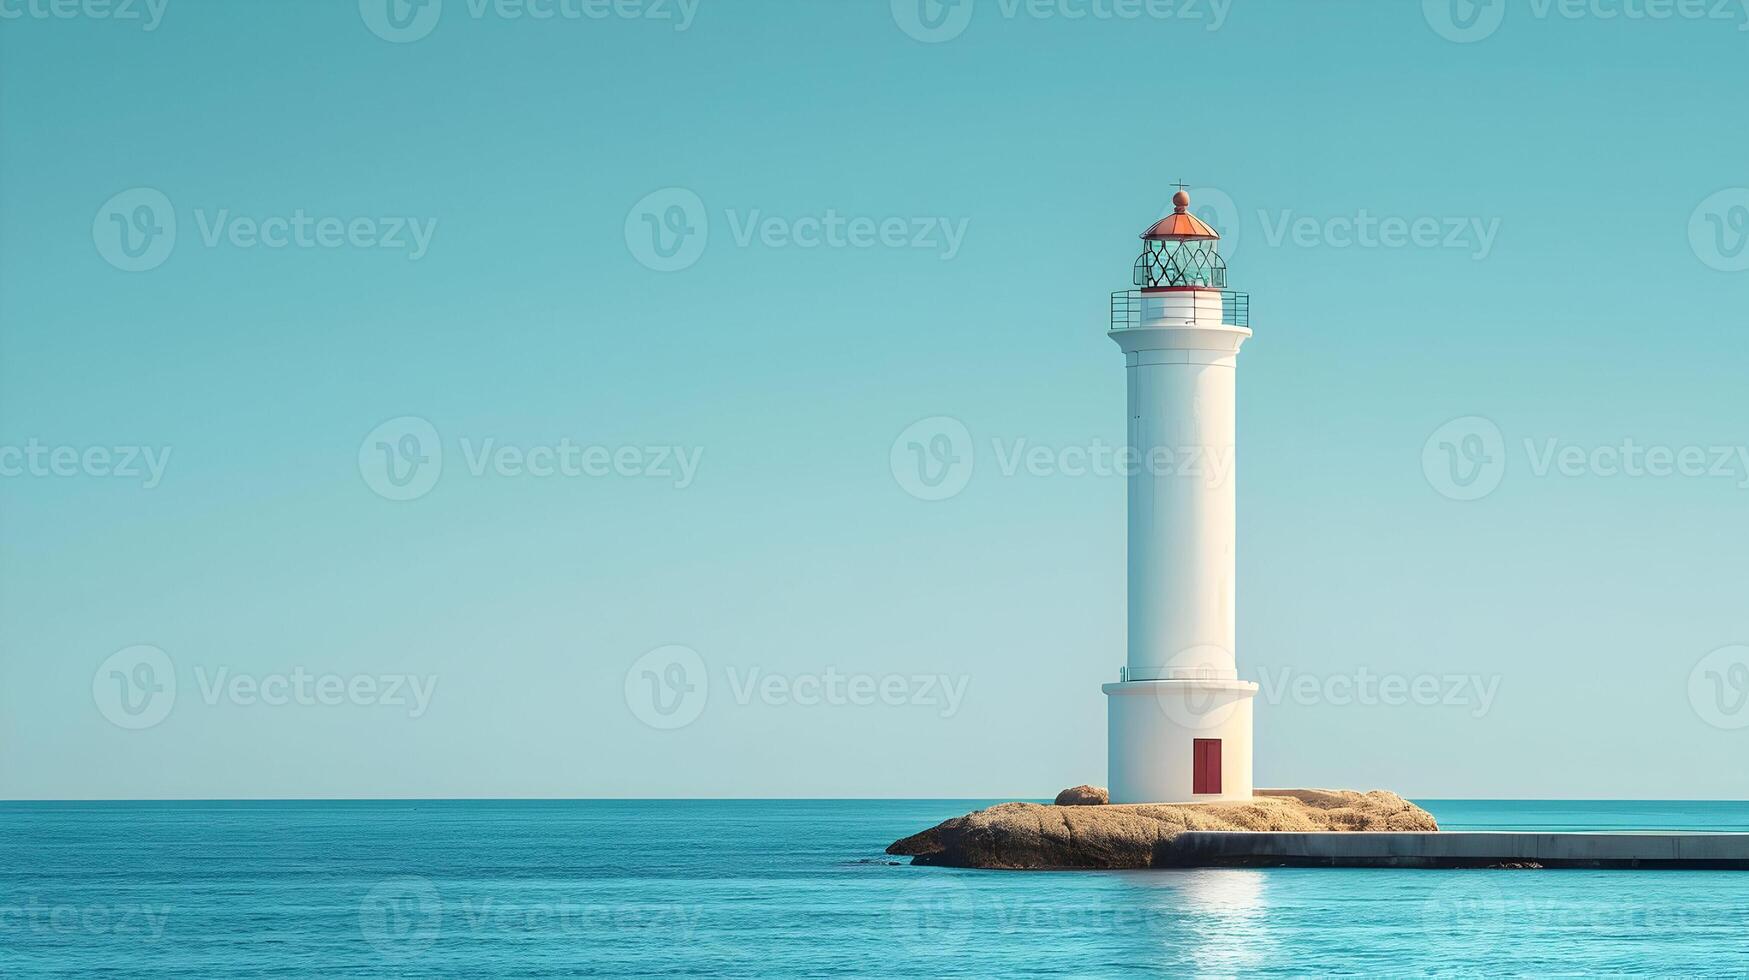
[(792, 888)]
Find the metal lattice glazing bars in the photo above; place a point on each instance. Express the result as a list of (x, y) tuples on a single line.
[(1180, 264)]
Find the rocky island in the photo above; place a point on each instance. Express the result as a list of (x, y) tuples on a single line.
[(1083, 831)]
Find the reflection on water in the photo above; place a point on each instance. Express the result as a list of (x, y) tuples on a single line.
[(1204, 921), (1220, 914)]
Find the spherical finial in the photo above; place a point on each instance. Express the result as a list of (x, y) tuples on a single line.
[(1181, 200)]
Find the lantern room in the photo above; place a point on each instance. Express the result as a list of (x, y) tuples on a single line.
[(1179, 252)]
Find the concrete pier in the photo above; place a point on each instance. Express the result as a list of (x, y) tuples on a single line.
[(1459, 849)]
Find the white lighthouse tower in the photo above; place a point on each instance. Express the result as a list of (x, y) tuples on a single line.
[(1180, 718)]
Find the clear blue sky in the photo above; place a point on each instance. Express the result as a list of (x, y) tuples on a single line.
[(1588, 145)]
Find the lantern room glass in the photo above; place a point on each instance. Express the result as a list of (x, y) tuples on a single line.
[(1168, 264)]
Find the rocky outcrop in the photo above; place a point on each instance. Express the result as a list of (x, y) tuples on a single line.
[(1083, 796), (1028, 836)]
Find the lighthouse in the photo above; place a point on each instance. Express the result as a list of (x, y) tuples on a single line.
[(1179, 717)]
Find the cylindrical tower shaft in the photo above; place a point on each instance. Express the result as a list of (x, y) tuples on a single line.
[(1183, 496), (1180, 719), (1182, 508)]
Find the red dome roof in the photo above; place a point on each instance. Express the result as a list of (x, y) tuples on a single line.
[(1180, 225)]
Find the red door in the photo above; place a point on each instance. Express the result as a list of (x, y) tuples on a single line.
[(1206, 768)]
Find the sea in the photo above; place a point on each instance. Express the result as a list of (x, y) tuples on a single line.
[(796, 888)]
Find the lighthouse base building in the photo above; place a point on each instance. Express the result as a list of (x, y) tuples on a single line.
[(1180, 717)]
